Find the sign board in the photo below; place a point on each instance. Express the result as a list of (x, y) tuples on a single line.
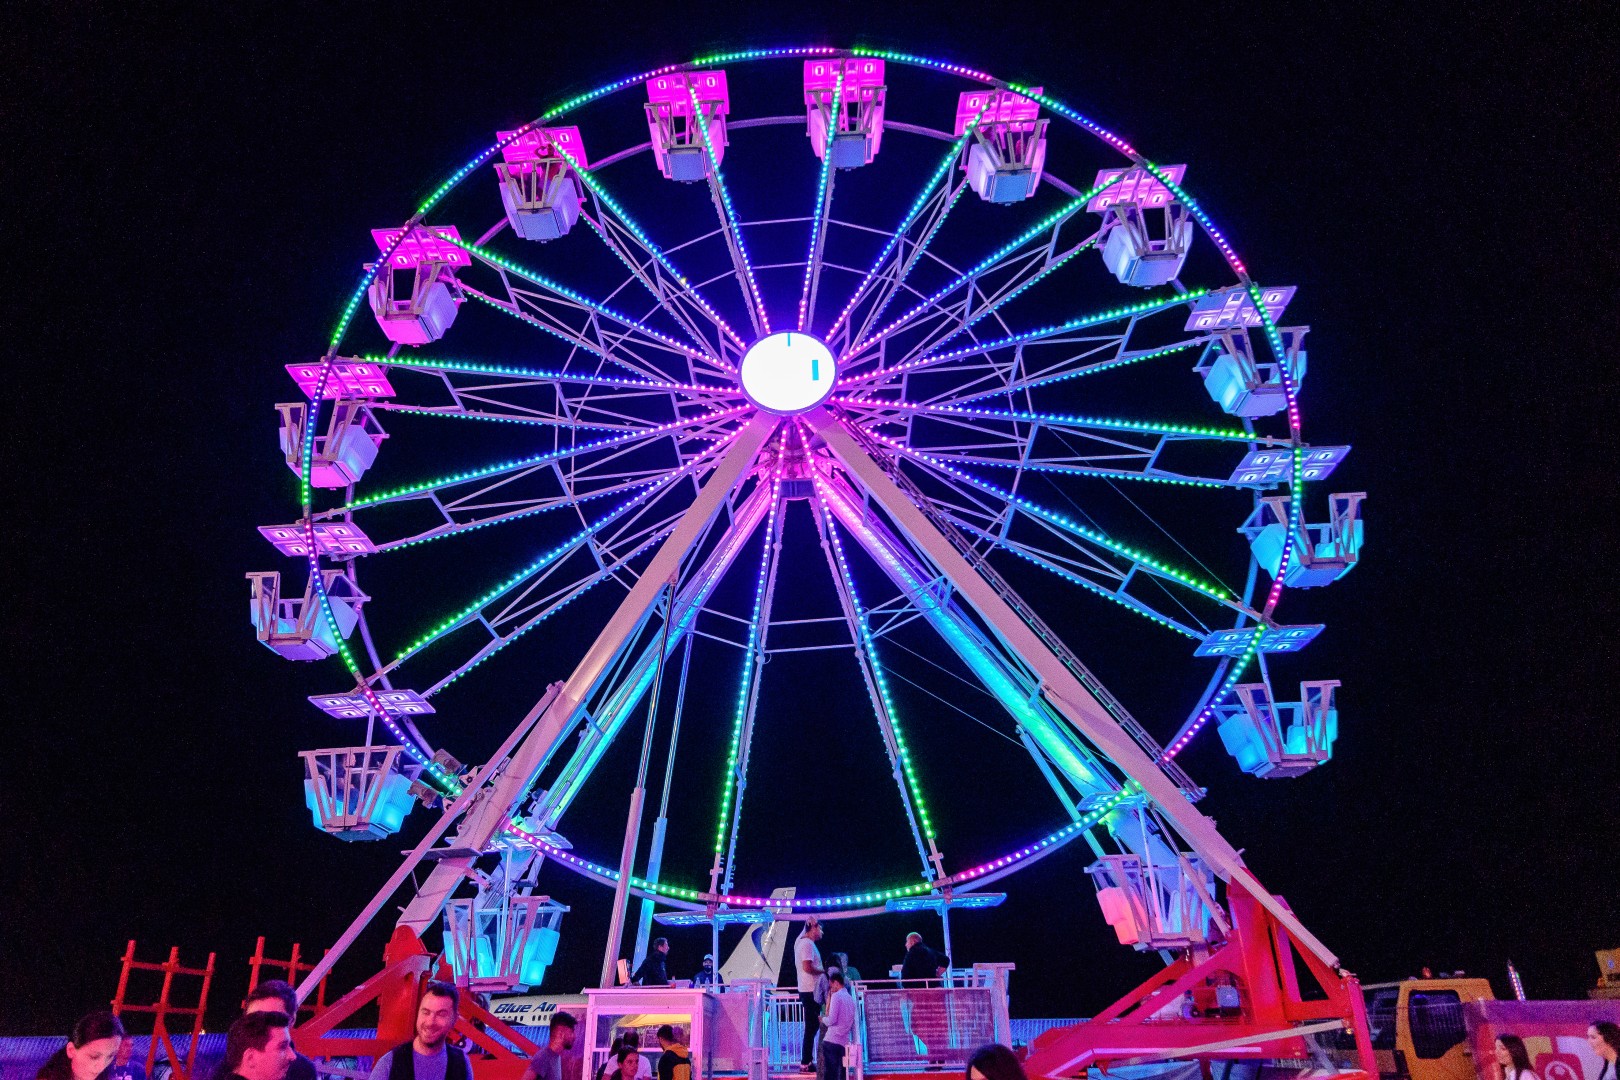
[(536, 1010)]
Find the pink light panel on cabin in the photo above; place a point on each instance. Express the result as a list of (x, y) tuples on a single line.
[(422, 247)]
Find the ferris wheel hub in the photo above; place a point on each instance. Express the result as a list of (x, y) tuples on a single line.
[(788, 373)]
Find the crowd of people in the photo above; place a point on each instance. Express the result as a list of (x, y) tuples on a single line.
[(258, 1046)]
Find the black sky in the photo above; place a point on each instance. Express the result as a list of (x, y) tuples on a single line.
[(184, 190)]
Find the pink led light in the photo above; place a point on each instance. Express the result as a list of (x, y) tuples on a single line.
[(998, 107), (543, 144), (859, 73), (706, 86), (335, 539), (356, 707), (1231, 307), (1134, 185), (346, 379), (441, 244)]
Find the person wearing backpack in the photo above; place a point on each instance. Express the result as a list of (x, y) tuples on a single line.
[(675, 1063)]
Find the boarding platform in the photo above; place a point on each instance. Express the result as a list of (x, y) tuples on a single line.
[(751, 1028)]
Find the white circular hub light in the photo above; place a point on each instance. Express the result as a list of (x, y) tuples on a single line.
[(788, 373)]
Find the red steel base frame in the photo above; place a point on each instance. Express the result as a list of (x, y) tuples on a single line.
[(1259, 957), (397, 988)]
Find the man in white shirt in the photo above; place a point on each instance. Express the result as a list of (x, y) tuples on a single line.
[(840, 1026), (807, 966)]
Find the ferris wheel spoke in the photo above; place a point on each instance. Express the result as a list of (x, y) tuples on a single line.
[(581, 540), (1106, 354), (582, 322), (1010, 254), (1060, 334), (474, 407), (1026, 422), (620, 698), (590, 337), (872, 673), (890, 285), (1007, 681), (1048, 260), (1078, 535), (466, 516), (1066, 445), (928, 211), (539, 612), (670, 290), (620, 232), (458, 376), (436, 489), (821, 214), (735, 242), (984, 294)]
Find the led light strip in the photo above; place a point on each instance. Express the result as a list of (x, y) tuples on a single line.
[(658, 253), (561, 549), (870, 646), (579, 298), (1090, 369), (538, 459), (730, 213), (1128, 311), (1069, 209), (1181, 577), (750, 671), (875, 895), (821, 195), (906, 222)]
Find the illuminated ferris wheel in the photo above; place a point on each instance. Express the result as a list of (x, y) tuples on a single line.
[(641, 364)]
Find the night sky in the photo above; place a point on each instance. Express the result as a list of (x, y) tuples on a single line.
[(192, 191)]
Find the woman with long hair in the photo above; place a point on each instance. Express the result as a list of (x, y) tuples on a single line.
[(89, 1052), (1513, 1059), (1604, 1038)]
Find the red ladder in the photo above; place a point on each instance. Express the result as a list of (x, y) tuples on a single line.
[(163, 1008)]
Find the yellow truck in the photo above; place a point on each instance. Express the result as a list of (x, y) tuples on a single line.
[(1418, 1030)]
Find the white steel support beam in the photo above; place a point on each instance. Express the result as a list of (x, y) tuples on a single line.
[(1060, 687), (554, 715)]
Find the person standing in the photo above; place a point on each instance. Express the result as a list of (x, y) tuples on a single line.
[(921, 963), (89, 1051), (277, 995), (839, 1025), (807, 967), (675, 1063), (259, 1046), (707, 975), (428, 1056), (654, 970), (547, 1063)]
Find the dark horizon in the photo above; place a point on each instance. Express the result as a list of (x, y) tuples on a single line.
[(193, 193)]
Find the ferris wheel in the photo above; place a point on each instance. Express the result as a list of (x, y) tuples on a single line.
[(610, 338)]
